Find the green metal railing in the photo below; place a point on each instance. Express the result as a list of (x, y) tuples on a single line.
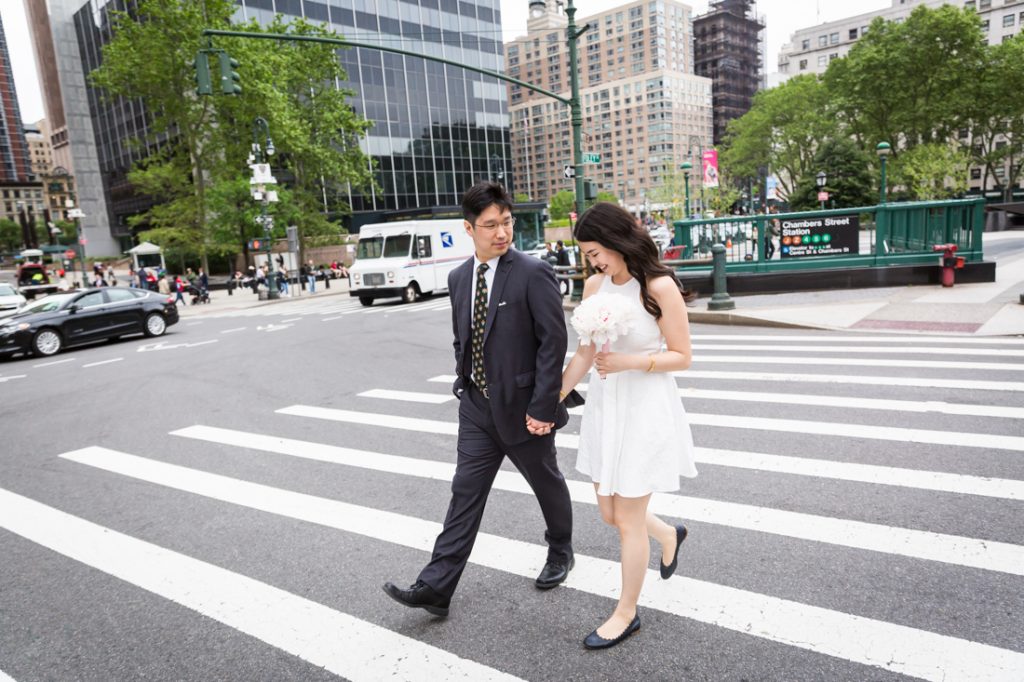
[(888, 234)]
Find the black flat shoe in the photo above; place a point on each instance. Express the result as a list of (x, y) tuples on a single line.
[(554, 574), (596, 641), (667, 571), (419, 596)]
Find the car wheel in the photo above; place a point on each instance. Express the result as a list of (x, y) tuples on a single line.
[(366, 301), (155, 325), (411, 293), (47, 342)]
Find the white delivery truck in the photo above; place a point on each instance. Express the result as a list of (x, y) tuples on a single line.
[(407, 259)]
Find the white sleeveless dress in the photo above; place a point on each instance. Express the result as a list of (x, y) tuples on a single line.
[(635, 438)]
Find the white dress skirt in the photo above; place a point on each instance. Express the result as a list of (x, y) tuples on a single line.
[(635, 438)]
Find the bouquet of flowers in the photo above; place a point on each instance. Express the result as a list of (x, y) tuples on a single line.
[(602, 318)]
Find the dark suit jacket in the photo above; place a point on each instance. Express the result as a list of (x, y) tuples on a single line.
[(524, 342)]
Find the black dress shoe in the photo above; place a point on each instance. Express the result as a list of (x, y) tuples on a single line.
[(554, 573), (596, 641), (667, 571), (420, 596)]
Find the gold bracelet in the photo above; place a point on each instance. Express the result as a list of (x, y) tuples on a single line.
[(561, 396), (650, 367)]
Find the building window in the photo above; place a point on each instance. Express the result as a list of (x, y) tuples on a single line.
[(805, 44), (984, 4), (822, 41), (822, 60), (984, 26), (803, 64), (969, 4), (1008, 20), (834, 55), (833, 39), (853, 34)]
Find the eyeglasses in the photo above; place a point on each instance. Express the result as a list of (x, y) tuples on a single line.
[(508, 224)]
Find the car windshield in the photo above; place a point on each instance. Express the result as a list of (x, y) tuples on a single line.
[(370, 248), (397, 245), (7, 290), (48, 304)]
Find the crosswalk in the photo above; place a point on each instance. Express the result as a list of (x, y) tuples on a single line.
[(834, 457), (337, 307)]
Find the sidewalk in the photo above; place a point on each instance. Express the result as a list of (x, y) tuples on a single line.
[(992, 309), (243, 299)]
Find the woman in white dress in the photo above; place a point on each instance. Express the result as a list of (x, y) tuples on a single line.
[(634, 439)]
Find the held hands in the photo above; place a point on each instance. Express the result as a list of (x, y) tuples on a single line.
[(538, 428)]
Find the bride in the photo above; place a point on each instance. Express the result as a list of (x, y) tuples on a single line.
[(635, 438)]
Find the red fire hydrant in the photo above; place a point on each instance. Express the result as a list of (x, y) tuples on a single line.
[(949, 262)]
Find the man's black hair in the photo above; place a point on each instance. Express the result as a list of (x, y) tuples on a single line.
[(481, 196)]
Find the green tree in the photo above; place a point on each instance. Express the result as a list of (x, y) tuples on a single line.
[(781, 132), (849, 180), (10, 235), (996, 114), (907, 83), (607, 197), (204, 141), (561, 204), (930, 171), (521, 198)]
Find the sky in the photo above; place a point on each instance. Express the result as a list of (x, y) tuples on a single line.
[(783, 18)]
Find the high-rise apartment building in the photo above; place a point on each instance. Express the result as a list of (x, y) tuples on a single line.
[(15, 164), (728, 43), (644, 111)]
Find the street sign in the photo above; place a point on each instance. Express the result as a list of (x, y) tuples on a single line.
[(591, 157), (822, 196), (83, 241), (70, 253), (831, 236), (256, 244), (76, 213), (568, 171)]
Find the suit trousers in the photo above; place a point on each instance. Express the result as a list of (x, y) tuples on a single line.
[(480, 453)]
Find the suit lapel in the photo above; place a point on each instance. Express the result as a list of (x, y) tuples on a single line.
[(500, 278), (463, 306)]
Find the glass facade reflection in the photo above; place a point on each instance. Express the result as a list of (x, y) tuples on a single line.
[(437, 128)]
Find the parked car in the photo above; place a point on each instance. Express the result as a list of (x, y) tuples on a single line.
[(10, 300), (47, 326), (34, 280)]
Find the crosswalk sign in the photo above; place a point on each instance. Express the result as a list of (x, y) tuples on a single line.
[(446, 240)]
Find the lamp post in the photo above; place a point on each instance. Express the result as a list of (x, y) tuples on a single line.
[(883, 149), (259, 162), (821, 179), (76, 214), (685, 166)]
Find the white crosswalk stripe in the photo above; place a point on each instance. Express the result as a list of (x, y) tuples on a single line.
[(897, 648), (881, 412), (336, 307)]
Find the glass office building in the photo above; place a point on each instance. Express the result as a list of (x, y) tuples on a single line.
[(436, 130)]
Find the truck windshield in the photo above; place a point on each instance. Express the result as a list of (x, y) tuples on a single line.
[(397, 246), (369, 248)]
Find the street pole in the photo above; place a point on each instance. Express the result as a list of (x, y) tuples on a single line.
[(883, 150), (685, 167), (260, 125), (576, 111)]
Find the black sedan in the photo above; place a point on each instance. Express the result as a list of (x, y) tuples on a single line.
[(46, 326)]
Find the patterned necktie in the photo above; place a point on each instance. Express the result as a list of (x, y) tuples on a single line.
[(479, 320)]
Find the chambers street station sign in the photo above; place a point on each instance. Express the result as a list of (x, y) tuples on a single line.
[(836, 235)]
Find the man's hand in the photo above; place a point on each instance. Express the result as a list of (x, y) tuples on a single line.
[(538, 428)]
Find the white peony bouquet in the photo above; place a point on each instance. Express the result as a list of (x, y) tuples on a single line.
[(602, 318)]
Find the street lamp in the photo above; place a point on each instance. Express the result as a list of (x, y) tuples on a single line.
[(685, 166), (883, 149), (76, 214), (821, 179), (259, 162)]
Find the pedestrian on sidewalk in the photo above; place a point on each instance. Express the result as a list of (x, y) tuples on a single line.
[(500, 414), (179, 290), (310, 272), (162, 286)]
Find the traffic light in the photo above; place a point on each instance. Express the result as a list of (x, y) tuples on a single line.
[(204, 84), (229, 78)]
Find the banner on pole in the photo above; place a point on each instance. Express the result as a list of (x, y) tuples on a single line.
[(710, 162)]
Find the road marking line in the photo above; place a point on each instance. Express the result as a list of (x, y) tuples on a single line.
[(5, 677), (12, 377), (290, 320), (236, 329), (975, 553), (864, 431), (906, 650), (954, 352), (408, 396), (847, 338), (342, 644), (103, 362), (858, 362), (192, 324), (54, 362)]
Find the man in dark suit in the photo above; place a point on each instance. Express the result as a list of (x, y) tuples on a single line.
[(510, 342)]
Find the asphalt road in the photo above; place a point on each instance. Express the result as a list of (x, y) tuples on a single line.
[(185, 509)]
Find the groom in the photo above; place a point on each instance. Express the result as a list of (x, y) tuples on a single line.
[(510, 340)]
